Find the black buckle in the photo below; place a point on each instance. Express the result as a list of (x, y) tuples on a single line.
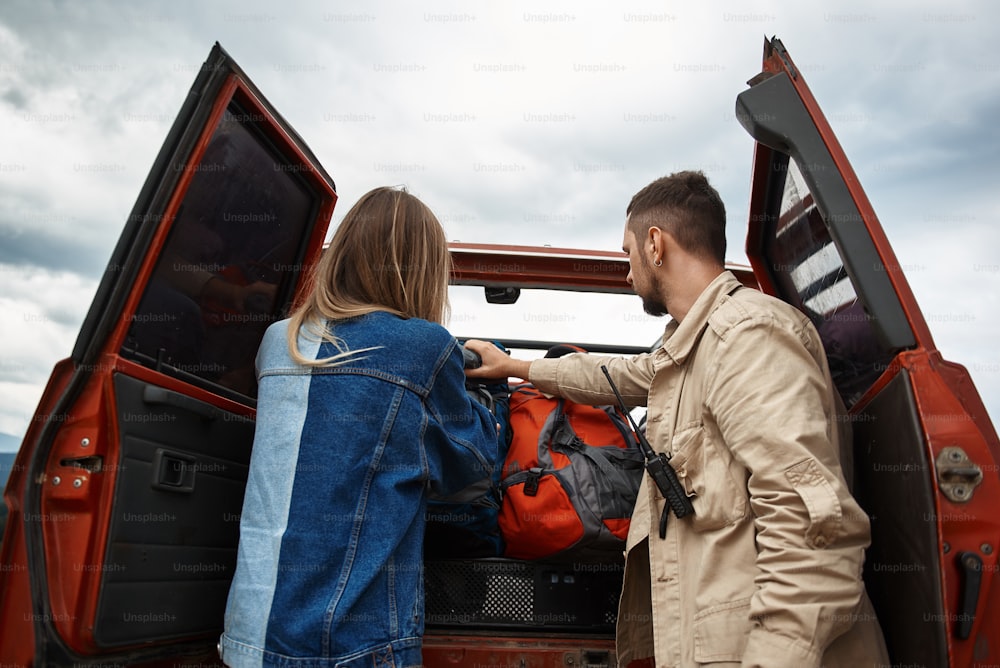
[(531, 484)]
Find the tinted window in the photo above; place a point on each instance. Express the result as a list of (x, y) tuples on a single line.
[(227, 268), (809, 272)]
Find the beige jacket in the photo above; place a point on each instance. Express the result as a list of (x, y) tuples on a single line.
[(767, 572)]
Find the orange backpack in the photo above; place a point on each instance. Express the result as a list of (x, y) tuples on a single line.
[(570, 479)]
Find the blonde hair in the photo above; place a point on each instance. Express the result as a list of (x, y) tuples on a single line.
[(389, 254)]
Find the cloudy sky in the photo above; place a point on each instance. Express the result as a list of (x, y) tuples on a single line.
[(525, 122)]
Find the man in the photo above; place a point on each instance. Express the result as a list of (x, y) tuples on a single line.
[(767, 571)]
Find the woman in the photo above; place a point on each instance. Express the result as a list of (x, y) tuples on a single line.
[(362, 413)]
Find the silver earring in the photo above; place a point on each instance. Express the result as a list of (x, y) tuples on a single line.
[(657, 263)]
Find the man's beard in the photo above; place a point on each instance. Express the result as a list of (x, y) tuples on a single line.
[(651, 303), (653, 306)]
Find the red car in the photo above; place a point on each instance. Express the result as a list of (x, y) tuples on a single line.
[(125, 497)]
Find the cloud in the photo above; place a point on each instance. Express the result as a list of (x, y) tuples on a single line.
[(15, 98), (517, 123), (42, 247), (42, 311)]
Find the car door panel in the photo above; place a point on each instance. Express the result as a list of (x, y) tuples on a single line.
[(182, 467), (902, 564)]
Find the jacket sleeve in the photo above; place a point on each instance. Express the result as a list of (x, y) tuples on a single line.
[(578, 377), (773, 405), (460, 438)]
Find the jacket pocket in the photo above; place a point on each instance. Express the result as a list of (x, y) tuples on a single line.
[(721, 632), (703, 467), (826, 516)]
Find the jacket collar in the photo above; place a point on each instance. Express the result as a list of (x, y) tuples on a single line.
[(679, 339)]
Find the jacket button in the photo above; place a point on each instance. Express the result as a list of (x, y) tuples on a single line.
[(820, 541)]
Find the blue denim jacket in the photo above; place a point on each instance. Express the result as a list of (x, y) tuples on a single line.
[(329, 571)]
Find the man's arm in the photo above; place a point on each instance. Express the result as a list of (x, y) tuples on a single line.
[(577, 377), (773, 406)]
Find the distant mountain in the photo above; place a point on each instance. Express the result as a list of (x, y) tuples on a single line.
[(9, 443), (6, 463), (8, 451)]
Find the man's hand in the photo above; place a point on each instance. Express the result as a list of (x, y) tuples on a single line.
[(496, 363)]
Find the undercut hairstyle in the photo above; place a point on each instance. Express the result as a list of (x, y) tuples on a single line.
[(389, 253), (688, 207)]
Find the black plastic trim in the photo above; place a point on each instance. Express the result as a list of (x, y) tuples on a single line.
[(537, 344), (774, 115)]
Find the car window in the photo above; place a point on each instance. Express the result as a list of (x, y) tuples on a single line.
[(809, 272), (555, 316), (220, 279)]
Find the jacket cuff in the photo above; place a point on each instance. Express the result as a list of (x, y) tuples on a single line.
[(543, 374), (771, 650)]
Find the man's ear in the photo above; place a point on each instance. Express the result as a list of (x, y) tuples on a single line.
[(654, 241)]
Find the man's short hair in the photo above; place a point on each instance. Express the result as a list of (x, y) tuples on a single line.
[(688, 207)]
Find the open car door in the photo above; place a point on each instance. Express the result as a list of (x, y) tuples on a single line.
[(126, 495), (925, 452)]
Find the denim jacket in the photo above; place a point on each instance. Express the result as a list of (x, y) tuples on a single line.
[(329, 569)]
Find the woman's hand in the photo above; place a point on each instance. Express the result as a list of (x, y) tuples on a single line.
[(496, 363)]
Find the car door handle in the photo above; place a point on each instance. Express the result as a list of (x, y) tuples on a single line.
[(971, 567), (154, 396), (173, 471)]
